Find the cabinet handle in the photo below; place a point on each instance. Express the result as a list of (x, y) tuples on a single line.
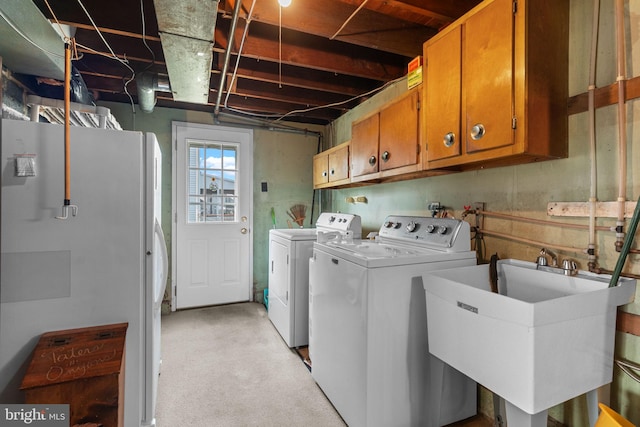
[(385, 156), (324, 173), (372, 160), (477, 131), (449, 139), (333, 171)]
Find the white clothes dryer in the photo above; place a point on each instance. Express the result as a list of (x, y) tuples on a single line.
[(368, 325), (289, 253)]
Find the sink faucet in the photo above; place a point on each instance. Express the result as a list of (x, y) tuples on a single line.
[(542, 258)]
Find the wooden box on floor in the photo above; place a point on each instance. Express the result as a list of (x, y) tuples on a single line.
[(83, 368)]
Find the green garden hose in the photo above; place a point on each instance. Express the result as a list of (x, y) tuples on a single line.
[(631, 232)]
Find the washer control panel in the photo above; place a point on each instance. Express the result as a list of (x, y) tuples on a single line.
[(340, 222), (441, 233)]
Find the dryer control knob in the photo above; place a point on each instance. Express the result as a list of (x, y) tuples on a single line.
[(442, 229), (411, 226), (431, 228)]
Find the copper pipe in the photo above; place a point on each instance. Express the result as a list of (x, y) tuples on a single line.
[(530, 242), (622, 122), (600, 270), (539, 221)]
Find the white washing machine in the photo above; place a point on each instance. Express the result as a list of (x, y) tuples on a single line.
[(289, 253), (368, 325)]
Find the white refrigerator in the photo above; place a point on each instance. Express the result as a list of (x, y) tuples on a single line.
[(106, 264)]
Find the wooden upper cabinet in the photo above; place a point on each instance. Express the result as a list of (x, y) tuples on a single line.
[(364, 145), (387, 141), (331, 167), (497, 86), (399, 133)]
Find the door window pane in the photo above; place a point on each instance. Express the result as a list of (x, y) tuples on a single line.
[(212, 183)]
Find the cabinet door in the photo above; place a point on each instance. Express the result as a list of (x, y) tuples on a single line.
[(320, 169), (339, 164), (488, 77), (443, 96), (399, 133), (364, 145)]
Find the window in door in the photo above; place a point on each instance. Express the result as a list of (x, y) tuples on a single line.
[(212, 182)]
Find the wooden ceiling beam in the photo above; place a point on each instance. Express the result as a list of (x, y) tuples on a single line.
[(278, 108), (310, 51), (434, 13), (249, 69), (304, 98), (368, 28), (305, 78)]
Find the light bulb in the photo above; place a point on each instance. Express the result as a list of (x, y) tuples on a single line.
[(284, 3)]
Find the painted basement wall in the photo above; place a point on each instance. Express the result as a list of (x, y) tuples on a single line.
[(282, 159), (525, 190)]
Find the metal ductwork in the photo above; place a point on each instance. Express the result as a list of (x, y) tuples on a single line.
[(148, 84), (186, 31), (43, 57)]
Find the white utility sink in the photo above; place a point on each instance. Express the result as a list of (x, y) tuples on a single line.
[(544, 339)]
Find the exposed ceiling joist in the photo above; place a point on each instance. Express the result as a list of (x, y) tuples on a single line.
[(282, 67)]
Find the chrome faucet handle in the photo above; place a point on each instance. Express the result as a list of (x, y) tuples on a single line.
[(543, 254), (542, 260), (570, 267)]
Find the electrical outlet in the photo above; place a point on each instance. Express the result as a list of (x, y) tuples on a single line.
[(433, 206)]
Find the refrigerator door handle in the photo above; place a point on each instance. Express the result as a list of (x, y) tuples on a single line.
[(164, 258)]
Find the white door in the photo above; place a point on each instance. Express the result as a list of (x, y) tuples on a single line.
[(212, 241)]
